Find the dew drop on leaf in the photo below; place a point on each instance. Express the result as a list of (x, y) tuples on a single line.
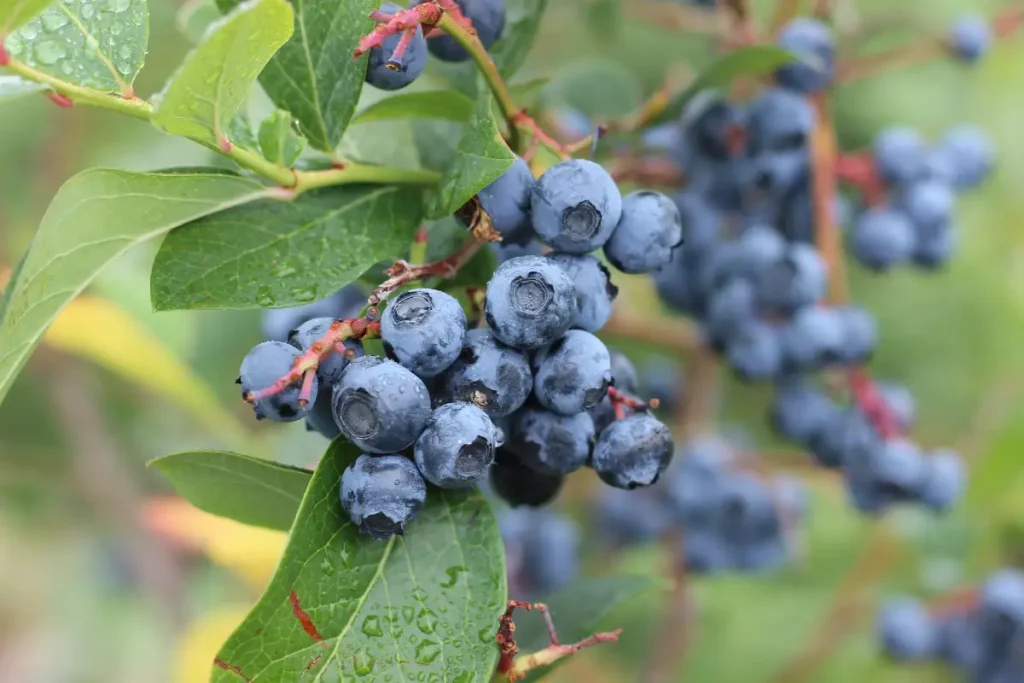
[(263, 295), (427, 651), (53, 20), (119, 5), (453, 576), (125, 68), (49, 52), (408, 612), (117, 28), (487, 634), (87, 10), (371, 626), (13, 44), (426, 621), (363, 665)]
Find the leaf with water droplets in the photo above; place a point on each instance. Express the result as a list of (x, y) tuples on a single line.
[(210, 87), (389, 610), (13, 87), (99, 44), (279, 141), (284, 253), (14, 13), (240, 487)]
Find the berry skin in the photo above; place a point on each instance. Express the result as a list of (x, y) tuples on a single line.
[(530, 302), (934, 246), (970, 154), (550, 443), (277, 323), (380, 406), (929, 204), (677, 283), (632, 452), (507, 199), (423, 330), (594, 289), (882, 238), (756, 249), (650, 228), (944, 480), (321, 415), (628, 517), (457, 446), (382, 493), (517, 484), (552, 551), (799, 278), (779, 133), (575, 206), (625, 379), (907, 631), (860, 334), (573, 374), (261, 367), (755, 352), (800, 412), (729, 310), (813, 338), (811, 41), (494, 377), (701, 222), (847, 435), (705, 552), (899, 154), (330, 368), (970, 38), (488, 17), (380, 74), (900, 403)]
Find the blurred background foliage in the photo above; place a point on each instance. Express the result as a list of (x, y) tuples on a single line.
[(103, 579)]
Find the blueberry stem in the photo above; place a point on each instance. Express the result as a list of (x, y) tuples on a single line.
[(402, 273)]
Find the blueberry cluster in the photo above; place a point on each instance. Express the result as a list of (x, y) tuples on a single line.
[(541, 550), (980, 634), (914, 222), (401, 58), (727, 515)]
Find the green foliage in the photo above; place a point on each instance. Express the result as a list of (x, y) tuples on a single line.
[(278, 139), (240, 487), (14, 13), (450, 105), (314, 75), (524, 17), (340, 606), (101, 46), (209, 89), (96, 217)]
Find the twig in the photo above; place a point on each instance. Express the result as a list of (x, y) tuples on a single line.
[(672, 636), (402, 273), (700, 399), (823, 188), (674, 334), (656, 171)]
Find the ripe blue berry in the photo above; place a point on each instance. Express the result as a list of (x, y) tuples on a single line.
[(632, 452), (628, 517), (701, 222), (907, 631), (882, 238), (860, 334), (261, 367), (382, 493), (779, 135), (575, 206), (494, 377), (846, 436), (944, 480), (934, 246), (594, 289), (507, 250), (530, 302), (970, 38), (929, 204), (330, 368), (507, 201), (650, 228), (552, 552), (457, 446), (573, 374), (517, 484), (729, 310), (800, 412), (677, 283), (625, 379), (813, 338), (386, 71), (900, 403), (488, 17), (380, 406), (550, 443), (755, 250), (811, 41), (799, 278), (277, 323), (755, 351), (423, 330), (899, 154), (970, 155)]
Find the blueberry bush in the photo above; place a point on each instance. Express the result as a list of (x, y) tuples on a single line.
[(439, 270)]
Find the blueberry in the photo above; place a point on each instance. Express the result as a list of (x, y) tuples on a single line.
[(594, 289), (748, 511), (799, 278), (457, 446), (943, 480), (934, 246), (705, 552), (701, 222), (891, 474), (530, 302), (899, 154), (552, 552), (882, 238), (488, 18), (847, 436), (970, 37), (278, 323), (494, 377), (1003, 593), (762, 554), (321, 415), (929, 204), (382, 493), (329, 371), (677, 284), (380, 406), (423, 330), (814, 69), (632, 452), (573, 374), (628, 517), (508, 249), (755, 351), (262, 366), (907, 631), (960, 642), (716, 128), (755, 250), (970, 153), (550, 443), (625, 379), (781, 123), (575, 206), (665, 137), (507, 199), (813, 338), (860, 334), (517, 484), (729, 310), (662, 380), (800, 412), (649, 229), (386, 71), (900, 403)]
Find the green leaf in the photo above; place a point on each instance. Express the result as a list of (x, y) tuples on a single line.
[(13, 87), (523, 20), (274, 253), (580, 610), (211, 86), (450, 105), (240, 487), (999, 470), (97, 216), (482, 157), (279, 140), (240, 131), (749, 61), (597, 88), (5, 295), (195, 16), (14, 13), (100, 45), (314, 76), (342, 607)]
